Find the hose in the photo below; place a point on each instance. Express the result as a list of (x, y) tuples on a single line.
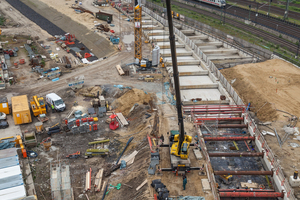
[(29, 152)]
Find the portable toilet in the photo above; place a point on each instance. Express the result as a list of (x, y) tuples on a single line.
[(20, 109), (4, 105)]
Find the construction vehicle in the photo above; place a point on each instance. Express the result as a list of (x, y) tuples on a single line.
[(179, 142), (38, 106), (226, 179), (74, 155), (143, 63)]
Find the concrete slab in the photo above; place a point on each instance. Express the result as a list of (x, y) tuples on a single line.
[(194, 80), (157, 32), (166, 45), (223, 57), (152, 27), (198, 154), (180, 58), (205, 185), (220, 51), (149, 22), (12, 130), (189, 68), (218, 44), (205, 94), (160, 38), (188, 32), (178, 53), (198, 37)]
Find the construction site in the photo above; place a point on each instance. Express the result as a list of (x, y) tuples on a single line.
[(114, 100)]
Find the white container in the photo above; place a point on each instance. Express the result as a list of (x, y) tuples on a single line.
[(155, 56)]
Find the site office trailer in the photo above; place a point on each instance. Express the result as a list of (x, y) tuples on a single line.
[(21, 110)]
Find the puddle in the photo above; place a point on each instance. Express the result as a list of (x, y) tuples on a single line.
[(128, 39)]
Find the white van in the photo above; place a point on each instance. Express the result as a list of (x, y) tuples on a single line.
[(56, 101)]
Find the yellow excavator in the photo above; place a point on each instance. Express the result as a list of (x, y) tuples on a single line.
[(38, 105)]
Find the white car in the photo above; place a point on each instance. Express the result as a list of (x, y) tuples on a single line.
[(2, 116)]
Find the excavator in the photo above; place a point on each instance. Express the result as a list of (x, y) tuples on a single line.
[(38, 105)]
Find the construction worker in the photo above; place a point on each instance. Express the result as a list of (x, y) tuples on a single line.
[(184, 182), (52, 106)]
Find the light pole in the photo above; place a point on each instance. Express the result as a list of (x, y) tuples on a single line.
[(286, 10), (249, 11), (269, 7), (298, 48), (228, 9)]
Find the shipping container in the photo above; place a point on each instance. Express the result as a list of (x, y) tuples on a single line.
[(20, 109), (4, 105), (104, 16)]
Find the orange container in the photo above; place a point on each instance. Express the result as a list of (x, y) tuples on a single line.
[(24, 153), (4, 105)]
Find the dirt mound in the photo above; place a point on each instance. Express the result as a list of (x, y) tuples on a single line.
[(268, 86), (88, 91), (126, 101)]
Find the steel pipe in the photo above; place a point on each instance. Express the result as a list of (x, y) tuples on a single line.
[(245, 190), (242, 154), (243, 173), (221, 119), (252, 194), (228, 138)]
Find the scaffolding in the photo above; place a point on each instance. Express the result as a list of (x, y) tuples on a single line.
[(60, 180)]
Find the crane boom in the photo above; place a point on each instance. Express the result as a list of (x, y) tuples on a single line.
[(138, 32), (176, 76)]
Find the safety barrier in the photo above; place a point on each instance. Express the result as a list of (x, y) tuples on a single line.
[(270, 159)]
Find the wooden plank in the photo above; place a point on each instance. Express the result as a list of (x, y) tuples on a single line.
[(122, 119), (140, 186), (120, 70), (103, 187), (99, 180), (249, 185), (128, 158)]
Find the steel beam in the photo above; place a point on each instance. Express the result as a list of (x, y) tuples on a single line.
[(242, 154), (243, 173), (221, 119), (228, 138), (228, 125), (245, 190), (252, 194)]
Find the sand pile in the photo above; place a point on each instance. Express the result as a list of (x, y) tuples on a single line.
[(274, 81), (89, 91), (125, 102)]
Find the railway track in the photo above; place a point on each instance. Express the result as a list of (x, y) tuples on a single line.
[(284, 27), (273, 9), (260, 33)]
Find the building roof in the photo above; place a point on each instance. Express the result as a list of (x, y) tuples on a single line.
[(11, 180), (19, 103)]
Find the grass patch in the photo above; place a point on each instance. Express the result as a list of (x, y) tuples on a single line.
[(2, 21)]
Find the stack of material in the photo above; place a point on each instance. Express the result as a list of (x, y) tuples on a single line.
[(88, 180), (121, 119), (98, 180), (129, 159)]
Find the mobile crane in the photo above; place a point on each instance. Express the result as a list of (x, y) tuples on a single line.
[(179, 142)]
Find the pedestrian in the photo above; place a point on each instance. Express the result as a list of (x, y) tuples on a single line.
[(52, 106), (184, 182)]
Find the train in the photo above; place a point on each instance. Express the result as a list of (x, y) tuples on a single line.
[(219, 3)]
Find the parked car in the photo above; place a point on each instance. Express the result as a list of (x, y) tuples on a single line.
[(3, 124), (2, 116)]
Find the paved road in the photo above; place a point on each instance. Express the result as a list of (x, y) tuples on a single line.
[(56, 23)]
